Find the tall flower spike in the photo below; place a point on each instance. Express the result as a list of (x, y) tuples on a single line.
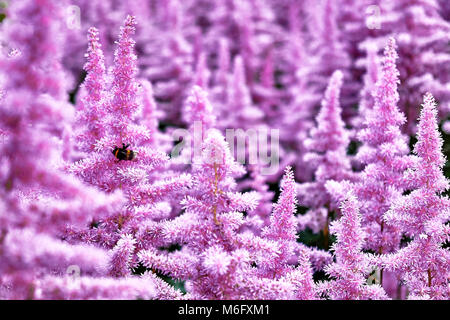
[(124, 86), (199, 110), (282, 227), (149, 118), (302, 278), (429, 149), (373, 72), (202, 73), (327, 155), (282, 222), (37, 200), (211, 259), (422, 35), (330, 133), (150, 114), (135, 173), (276, 251), (327, 51), (92, 93), (95, 67), (424, 263), (223, 63), (352, 265), (118, 125), (384, 152), (239, 107)]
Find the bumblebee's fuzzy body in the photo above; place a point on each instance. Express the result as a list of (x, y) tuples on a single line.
[(123, 153)]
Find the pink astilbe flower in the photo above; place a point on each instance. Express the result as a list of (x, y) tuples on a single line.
[(118, 125), (328, 52), (330, 133), (215, 261), (260, 216), (373, 72), (422, 36), (423, 214), (384, 152), (32, 117), (208, 225), (30, 29), (28, 251), (92, 95), (282, 227), (122, 255), (276, 251), (222, 72), (124, 85), (169, 58), (202, 73), (150, 115), (86, 288), (302, 279), (327, 147), (239, 108), (138, 177), (199, 112), (38, 200), (352, 265)]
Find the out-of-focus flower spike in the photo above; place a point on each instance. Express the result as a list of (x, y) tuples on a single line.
[(202, 73)]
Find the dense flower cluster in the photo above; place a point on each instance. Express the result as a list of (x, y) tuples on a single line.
[(224, 149)]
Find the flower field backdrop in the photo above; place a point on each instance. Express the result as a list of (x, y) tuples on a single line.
[(224, 149)]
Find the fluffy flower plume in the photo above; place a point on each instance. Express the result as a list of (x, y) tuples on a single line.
[(384, 152), (352, 265), (38, 200), (92, 93), (422, 36), (423, 215), (327, 147), (282, 225)]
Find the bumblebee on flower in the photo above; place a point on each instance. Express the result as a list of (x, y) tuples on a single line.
[(123, 153)]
